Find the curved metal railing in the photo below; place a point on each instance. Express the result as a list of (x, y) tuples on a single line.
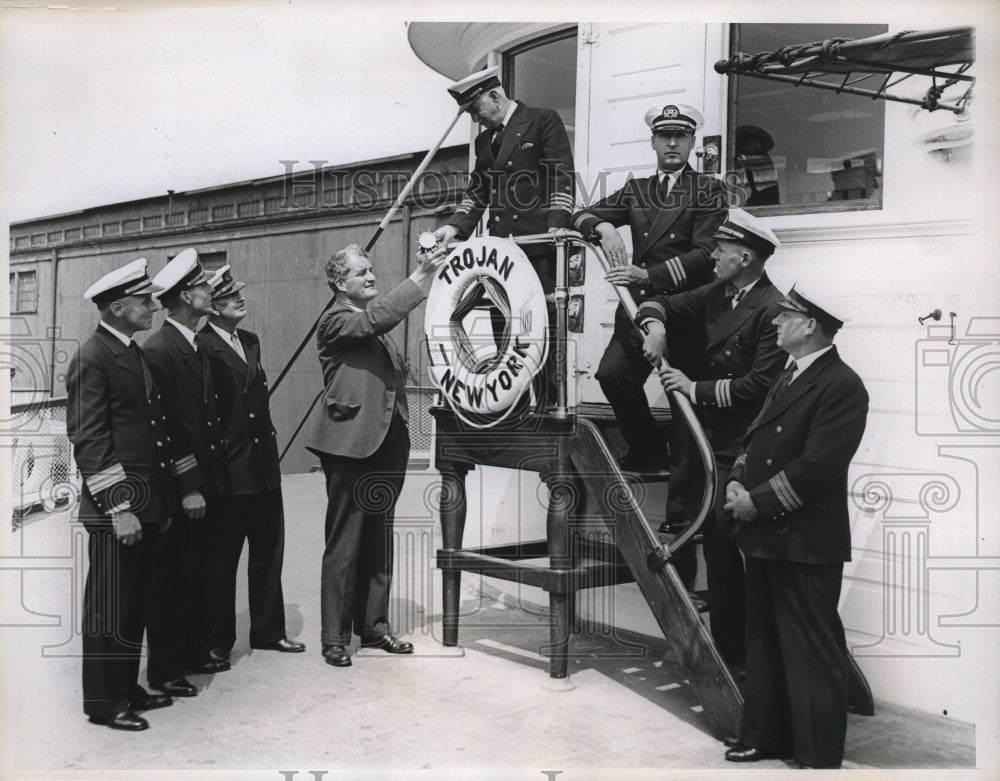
[(679, 402)]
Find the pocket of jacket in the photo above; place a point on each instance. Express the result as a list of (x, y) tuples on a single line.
[(336, 410)]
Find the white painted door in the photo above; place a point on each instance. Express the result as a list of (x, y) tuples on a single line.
[(624, 70)]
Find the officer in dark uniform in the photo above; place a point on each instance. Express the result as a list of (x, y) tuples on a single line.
[(256, 511), (742, 360), (115, 420), (788, 491), (672, 216), (191, 554), (523, 171)]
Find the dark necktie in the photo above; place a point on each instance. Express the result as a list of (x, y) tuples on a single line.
[(206, 372), (664, 189), (776, 390), (147, 378), (784, 380), (497, 140), (738, 296)]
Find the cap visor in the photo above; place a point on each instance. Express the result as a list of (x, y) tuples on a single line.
[(467, 103), (145, 289), (229, 290), (722, 232), (201, 279), (791, 306)]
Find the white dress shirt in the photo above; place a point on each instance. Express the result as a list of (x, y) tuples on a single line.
[(126, 340), (803, 363), (232, 339), (187, 332)]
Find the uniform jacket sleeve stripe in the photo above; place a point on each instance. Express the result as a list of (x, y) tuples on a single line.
[(562, 201), (784, 491), (185, 464), (651, 309), (676, 272), (106, 478), (723, 393)]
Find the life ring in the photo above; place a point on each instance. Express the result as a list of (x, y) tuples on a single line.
[(486, 329)]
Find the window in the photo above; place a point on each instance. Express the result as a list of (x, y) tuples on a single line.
[(23, 291), (542, 74), (212, 261), (801, 149)]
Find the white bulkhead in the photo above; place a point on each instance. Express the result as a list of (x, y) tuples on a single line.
[(924, 579)]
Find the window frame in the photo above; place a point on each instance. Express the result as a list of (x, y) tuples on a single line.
[(17, 277), (875, 203), (210, 260), (508, 55)]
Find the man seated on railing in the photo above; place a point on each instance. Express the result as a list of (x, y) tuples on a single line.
[(742, 360), (672, 216)]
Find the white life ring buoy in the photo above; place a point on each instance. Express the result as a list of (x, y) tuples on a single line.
[(486, 328)]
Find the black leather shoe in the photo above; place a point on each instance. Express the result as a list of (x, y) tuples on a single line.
[(741, 753), (143, 700), (337, 656), (649, 464), (178, 687), (126, 720), (674, 528), (284, 645), (215, 661), (388, 643)]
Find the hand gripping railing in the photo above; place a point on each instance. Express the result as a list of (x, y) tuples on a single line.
[(679, 402)]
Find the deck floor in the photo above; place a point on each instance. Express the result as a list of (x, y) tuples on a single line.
[(484, 710)]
